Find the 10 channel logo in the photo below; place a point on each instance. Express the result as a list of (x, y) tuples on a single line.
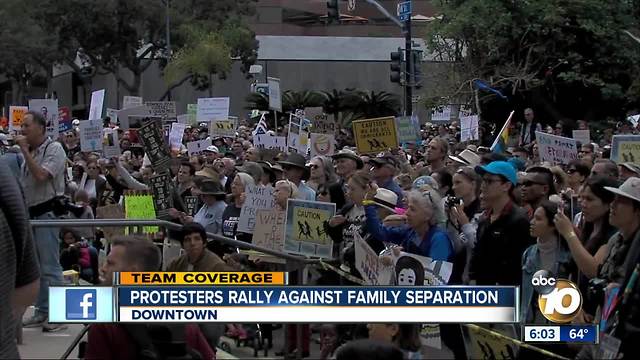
[(559, 300), (81, 304)]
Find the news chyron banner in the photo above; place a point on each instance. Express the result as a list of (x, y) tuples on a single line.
[(264, 297)]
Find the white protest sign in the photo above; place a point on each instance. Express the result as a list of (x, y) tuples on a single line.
[(582, 136), (368, 263), (197, 147), (556, 149), (131, 101), (137, 111), (212, 109), (270, 142), (112, 114), (184, 119), (175, 136), (469, 128), (110, 144), (443, 115), (90, 135), (321, 123), (322, 144), (275, 97), (97, 103), (257, 198), (269, 229), (49, 110), (163, 109)]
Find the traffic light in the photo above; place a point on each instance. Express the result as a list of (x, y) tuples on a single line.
[(396, 66), (333, 11), (416, 68)]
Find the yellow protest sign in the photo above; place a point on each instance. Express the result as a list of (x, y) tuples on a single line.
[(140, 207), (226, 128), (305, 228), (15, 116), (375, 135), (625, 148)]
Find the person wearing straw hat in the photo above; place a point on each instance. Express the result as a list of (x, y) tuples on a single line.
[(295, 170)]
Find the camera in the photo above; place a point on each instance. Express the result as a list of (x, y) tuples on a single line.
[(451, 201), (595, 295)]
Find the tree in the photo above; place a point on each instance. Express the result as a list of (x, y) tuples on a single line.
[(570, 58)]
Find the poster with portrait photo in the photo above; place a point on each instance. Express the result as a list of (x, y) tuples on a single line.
[(49, 110), (110, 144)]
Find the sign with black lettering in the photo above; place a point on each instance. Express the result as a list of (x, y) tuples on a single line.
[(191, 202), (163, 109), (321, 123), (162, 199), (375, 135), (152, 138)]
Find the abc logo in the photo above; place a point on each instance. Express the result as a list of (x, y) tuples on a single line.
[(559, 300)]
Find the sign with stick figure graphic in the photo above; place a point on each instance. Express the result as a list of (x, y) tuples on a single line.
[(625, 148), (305, 228), (375, 135)]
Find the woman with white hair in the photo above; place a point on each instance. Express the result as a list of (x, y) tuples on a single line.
[(422, 235), (283, 191), (231, 214)]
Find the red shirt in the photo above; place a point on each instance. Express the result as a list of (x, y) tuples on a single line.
[(110, 341)]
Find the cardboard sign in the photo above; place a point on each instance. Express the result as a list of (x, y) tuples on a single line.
[(131, 101), (375, 135), (175, 136), (191, 204), (408, 128), (162, 199), (322, 145), (140, 207), (305, 233), (224, 128), (15, 117), (368, 263), (97, 104), (582, 136), (257, 198), (198, 147), (111, 212), (275, 97), (212, 109), (469, 128), (90, 135), (152, 139), (49, 109), (625, 148), (269, 229), (110, 144), (321, 123), (129, 115), (556, 149), (64, 119), (163, 109)]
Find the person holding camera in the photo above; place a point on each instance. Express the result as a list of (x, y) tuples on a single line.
[(43, 178)]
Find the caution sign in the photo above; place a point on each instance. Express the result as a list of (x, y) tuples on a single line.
[(305, 228), (375, 135)]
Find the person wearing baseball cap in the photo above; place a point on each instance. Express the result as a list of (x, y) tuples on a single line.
[(503, 229), (384, 168)]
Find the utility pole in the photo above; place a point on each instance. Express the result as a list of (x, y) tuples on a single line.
[(168, 49), (408, 86)]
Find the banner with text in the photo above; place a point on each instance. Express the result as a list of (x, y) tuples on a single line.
[(556, 149)]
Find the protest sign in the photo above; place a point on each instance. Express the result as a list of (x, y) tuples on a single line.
[(322, 144), (321, 123), (140, 207), (110, 144), (556, 149), (224, 128), (162, 200), (64, 119), (469, 128), (152, 138), (126, 116), (441, 115), (198, 147), (110, 212), (482, 342), (49, 110), (368, 263), (163, 109), (270, 142), (184, 119), (269, 229), (305, 234), (192, 111), (298, 135), (625, 148), (90, 135), (256, 198), (582, 136), (175, 136), (112, 114), (131, 101), (191, 203), (275, 97), (15, 117), (375, 135), (212, 109), (408, 128), (97, 104)]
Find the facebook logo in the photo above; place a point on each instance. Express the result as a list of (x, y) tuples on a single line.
[(81, 304)]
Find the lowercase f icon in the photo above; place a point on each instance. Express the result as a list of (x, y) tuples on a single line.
[(81, 304)]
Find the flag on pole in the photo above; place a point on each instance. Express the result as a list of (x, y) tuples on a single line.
[(262, 127), (500, 143)]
